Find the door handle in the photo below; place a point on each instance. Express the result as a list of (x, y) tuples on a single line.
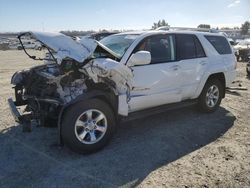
[(203, 63), (175, 67)]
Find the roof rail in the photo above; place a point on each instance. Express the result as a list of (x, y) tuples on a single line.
[(167, 28)]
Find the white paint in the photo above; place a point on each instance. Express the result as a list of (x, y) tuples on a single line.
[(120, 74), (122, 105), (65, 47), (164, 83), (141, 87)]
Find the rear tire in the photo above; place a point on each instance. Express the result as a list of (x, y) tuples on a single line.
[(87, 126), (211, 96)]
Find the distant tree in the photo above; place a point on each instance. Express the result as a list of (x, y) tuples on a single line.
[(225, 28), (204, 26), (163, 23), (155, 26), (244, 28), (160, 23), (103, 30)]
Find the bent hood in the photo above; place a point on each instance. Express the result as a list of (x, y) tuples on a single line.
[(65, 47)]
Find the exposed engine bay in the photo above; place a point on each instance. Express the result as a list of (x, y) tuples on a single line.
[(67, 74)]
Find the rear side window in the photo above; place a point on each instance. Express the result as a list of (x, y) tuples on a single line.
[(220, 43), (188, 47), (199, 49)]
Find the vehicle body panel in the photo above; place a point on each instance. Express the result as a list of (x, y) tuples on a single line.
[(154, 85), (135, 87)]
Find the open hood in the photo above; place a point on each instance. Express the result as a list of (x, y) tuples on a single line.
[(65, 47)]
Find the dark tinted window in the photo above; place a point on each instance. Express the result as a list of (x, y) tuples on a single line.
[(185, 46), (199, 49), (220, 43), (161, 47), (188, 47)]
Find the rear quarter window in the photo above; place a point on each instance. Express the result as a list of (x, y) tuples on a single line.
[(220, 44)]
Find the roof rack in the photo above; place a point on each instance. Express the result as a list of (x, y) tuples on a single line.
[(166, 28)]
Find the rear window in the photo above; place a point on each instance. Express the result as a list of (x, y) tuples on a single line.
[(220, 43)]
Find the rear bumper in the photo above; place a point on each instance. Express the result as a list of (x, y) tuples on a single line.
[(230, 77)]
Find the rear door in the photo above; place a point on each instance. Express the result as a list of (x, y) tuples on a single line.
[(192, 61)]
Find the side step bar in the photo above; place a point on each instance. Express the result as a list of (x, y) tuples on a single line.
[(159, 109)]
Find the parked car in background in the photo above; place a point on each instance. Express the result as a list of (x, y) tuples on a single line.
[(30, 44), (248, 67), (99, 36), (242, 50)]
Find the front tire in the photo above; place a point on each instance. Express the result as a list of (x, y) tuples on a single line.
[(87, 126), (211, 96)]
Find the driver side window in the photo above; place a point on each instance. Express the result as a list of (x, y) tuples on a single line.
[(161, 47)]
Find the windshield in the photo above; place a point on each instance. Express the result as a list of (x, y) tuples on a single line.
[(119, 43)]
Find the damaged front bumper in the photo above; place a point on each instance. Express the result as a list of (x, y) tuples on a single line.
[(15, 113), (77, 70), (23, 119), (29, 118)]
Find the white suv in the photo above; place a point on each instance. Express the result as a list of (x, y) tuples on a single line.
[(86, 86)]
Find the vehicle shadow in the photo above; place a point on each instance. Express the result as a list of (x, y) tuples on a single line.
[(139, 147)]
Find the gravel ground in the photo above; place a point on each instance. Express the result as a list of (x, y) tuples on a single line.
[(180, 148)]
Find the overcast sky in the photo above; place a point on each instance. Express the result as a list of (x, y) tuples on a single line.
[(56, 15)]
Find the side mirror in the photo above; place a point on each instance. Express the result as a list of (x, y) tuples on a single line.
[(140, 58)]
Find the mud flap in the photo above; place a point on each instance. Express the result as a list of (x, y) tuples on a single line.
[(123, 105)]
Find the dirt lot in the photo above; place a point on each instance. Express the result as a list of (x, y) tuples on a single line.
[(180, 148)]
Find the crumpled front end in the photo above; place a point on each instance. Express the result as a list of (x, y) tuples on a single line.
[(114, 74), (44, 90)]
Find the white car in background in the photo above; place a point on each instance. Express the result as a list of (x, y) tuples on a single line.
[(88, 86), (242, 50), (243, 44)]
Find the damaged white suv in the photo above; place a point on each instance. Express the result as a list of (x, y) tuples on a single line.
[(88, 86)]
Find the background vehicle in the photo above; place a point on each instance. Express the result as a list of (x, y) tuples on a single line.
[(91, 85), (99, 36), (242, 50), (248, 67)]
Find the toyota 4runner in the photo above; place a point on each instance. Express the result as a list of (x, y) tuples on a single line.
[(87, 87)]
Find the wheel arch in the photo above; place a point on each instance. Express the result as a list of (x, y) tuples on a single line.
[(217, 75), (108, 97), (221, 77)]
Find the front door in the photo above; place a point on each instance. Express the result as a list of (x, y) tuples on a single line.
[(159, 82)]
